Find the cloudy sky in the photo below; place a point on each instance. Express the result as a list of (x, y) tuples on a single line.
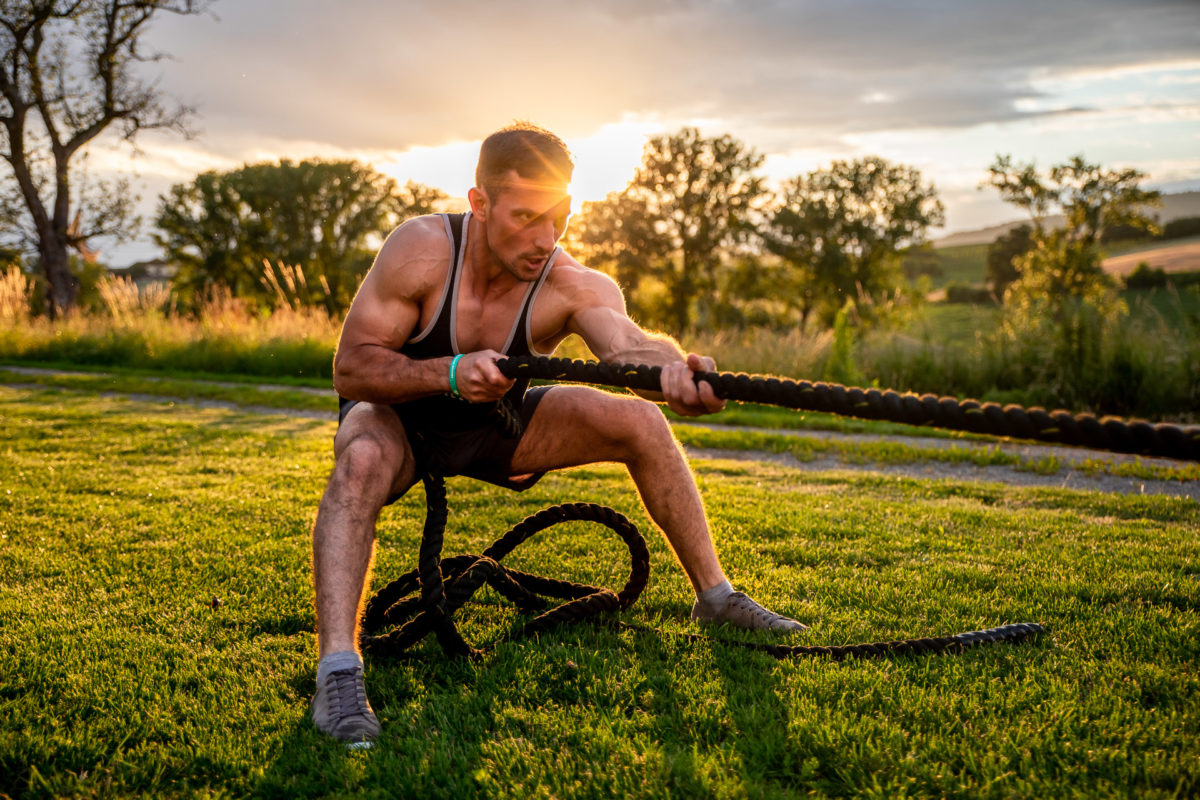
[(412, 86)]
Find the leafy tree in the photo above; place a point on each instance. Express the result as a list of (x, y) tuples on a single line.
[(1002, 256), (70, 72), (843, 230), (325, 216), (9, 257), (1063, 265), (668, 235), (1063, 302)]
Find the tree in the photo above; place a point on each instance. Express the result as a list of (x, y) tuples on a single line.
[(842, 229), (1063, 264), (1002, 256), (1063, 304), (666, 234), (325, 216), (69, 73)]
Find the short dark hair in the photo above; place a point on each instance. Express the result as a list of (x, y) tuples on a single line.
[(534, 152)]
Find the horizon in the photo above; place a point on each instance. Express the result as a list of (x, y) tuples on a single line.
[(944, 89)]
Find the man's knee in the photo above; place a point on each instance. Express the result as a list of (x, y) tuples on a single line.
[(371, 462), (640, 424)]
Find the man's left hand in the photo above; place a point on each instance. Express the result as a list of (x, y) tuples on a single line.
[(681, 392)]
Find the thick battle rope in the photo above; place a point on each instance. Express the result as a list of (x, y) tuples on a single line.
[(445, 584), (1108, 433)]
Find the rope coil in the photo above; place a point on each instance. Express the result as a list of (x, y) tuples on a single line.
[(445, 584)]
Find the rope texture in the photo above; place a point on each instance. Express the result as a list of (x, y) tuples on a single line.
[(446, 584), (1062, 427)]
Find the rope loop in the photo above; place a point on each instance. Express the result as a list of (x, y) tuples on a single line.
[(425, 600)]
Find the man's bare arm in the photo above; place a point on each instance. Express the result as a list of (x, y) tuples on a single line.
[(612, 336), (386, 311)]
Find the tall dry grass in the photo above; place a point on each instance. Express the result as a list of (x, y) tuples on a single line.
[(1140, 365), (791, 352), (16, 292), (138, 327)]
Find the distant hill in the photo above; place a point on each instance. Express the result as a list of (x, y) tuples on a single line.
[(1174, 206)]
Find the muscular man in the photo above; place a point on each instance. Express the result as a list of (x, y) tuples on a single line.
[(447, 296)]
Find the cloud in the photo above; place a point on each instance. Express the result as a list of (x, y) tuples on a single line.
[(389, 76)]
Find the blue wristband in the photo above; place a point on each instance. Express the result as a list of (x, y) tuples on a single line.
[(453, 378)]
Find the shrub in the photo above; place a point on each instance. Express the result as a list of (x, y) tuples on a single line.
[(969, 293), (1146, 277)]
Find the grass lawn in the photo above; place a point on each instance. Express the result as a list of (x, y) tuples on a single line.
[(121, 521)]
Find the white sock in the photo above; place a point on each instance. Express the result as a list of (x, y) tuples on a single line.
[(714, 599), (342, 659)]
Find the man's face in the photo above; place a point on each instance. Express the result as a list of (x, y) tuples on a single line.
[(523, 222)]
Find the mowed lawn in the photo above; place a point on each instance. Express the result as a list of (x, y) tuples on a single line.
[(156, 632)]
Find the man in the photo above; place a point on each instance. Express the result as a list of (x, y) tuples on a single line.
[(447, 296)]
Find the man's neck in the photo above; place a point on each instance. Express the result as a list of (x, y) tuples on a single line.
[(483, 274)]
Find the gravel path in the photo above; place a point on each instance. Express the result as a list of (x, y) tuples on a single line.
[(1065, 478)]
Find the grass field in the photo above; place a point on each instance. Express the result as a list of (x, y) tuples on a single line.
[(121, 521), (966, 264)]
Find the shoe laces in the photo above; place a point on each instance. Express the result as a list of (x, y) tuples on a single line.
[(349, 695), (745, 601)]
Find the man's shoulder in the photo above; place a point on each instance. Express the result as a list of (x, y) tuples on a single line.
[(568, 271), (581, 286), (418, 235), (413, 259), (419, 244)]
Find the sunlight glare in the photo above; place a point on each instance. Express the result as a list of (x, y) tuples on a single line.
[(606, 160)]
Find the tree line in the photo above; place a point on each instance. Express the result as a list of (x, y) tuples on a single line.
[(695, 238)]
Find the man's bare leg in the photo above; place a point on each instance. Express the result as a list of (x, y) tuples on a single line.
[(576, 425), (373, 461)]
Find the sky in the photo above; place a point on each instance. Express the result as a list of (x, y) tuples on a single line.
[(944, 85)]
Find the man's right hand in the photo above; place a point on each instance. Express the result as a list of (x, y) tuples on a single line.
[(479, 379)]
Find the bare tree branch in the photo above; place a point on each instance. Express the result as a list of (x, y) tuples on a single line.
[(74, 65)]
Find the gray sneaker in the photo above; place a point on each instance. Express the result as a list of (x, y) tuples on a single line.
[(742, 612), (340, 709)]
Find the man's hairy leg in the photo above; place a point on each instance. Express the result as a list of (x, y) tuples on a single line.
[(575, 425), (373, 461)]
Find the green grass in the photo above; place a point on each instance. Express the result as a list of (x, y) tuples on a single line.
[(245, 392), (122, 520), (966, 264)]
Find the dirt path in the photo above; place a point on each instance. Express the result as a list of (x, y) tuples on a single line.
[(1067, 477)]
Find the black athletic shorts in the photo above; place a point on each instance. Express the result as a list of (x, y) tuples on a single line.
[(483, 453)]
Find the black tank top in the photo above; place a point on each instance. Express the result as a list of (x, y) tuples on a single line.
[(440, 339)]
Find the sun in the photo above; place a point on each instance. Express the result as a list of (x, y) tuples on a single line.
[(605, 161)]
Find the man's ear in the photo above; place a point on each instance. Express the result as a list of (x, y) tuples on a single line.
[(480, 205)]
